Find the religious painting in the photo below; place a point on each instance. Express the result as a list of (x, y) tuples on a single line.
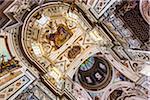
[(6, 66), (60, 37), (75, 50)]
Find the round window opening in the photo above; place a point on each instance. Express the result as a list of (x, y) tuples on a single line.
[(95, 73)]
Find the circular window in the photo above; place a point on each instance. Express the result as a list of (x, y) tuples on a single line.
[(86, 65), (95, 73)]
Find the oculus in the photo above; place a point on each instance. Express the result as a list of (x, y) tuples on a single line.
[(95, 73)]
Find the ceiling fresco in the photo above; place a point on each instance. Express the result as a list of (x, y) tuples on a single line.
[(74, 50)]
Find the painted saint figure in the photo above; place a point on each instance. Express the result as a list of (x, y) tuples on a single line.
[(60, 37)]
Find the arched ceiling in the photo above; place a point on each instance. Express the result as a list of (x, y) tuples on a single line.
[(74, 50)]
